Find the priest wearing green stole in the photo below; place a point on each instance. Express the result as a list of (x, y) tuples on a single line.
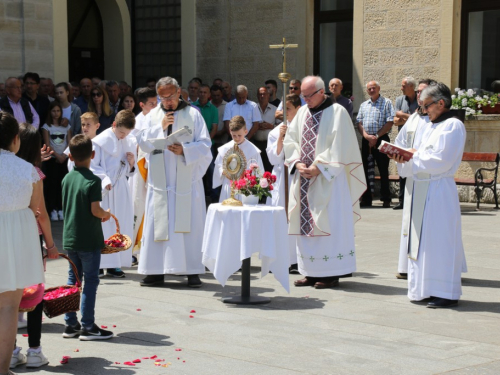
[(435, 249), (175, 201), (324, 162)]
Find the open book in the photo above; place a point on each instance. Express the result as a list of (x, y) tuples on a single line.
[(179, 136), (390, 149)]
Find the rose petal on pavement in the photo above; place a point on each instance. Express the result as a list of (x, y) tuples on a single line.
[(104, 327), (191, 316), (192, 311), (178, 350), (139, 310), (76, 350), (25, 335), (153, 357), (136, 361), (128, 363)]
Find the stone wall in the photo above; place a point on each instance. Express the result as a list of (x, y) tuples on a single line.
[(400, 38), (26, 38), (233, 39)]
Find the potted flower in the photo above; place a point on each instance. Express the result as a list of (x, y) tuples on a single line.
[(253, 185), (472, 104)]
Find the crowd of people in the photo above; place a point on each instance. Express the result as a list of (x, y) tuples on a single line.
[(100, 149)]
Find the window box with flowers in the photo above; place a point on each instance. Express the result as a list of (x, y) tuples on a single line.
[(474, 104)]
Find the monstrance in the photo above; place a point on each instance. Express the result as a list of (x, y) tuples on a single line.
[(233, 166)]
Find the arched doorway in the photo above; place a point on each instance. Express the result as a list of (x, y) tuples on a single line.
[(85, 40)]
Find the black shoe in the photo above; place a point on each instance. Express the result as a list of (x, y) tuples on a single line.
[(95, 333), (365, 204), (293, 269), (194, 281), (101, 273), (72, 331), (134, 260), (115, 272), (399, 206), (441, 303), (152, 280), (402, 276), (386, 204)]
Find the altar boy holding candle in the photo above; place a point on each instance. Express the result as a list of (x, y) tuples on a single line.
[(114, 161), (276, 156), (238, 130)]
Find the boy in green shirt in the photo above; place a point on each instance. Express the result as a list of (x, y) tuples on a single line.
[(82, 236)]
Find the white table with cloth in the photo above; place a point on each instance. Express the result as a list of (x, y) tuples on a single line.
[(233, 233)]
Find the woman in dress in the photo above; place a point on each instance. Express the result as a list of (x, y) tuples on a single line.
[(99, 104), (20, 194)]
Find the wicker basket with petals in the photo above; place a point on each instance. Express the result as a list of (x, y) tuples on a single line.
[(123, 239)]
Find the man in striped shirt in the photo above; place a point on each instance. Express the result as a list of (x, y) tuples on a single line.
[(375, 119)]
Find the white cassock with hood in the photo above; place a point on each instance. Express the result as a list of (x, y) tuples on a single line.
[(111, 166)]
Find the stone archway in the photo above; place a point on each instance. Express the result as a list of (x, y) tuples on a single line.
[(116, 35)]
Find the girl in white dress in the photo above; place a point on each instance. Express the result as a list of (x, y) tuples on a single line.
[(21, 266)]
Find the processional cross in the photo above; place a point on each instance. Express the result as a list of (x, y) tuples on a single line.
[(284, 77)]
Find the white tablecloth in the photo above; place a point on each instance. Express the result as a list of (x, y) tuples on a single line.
[(233, 234)]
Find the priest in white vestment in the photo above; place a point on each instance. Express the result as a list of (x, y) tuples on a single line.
[(409, 137), (175, 201), (276, 155), (435, 249), (324, 162)]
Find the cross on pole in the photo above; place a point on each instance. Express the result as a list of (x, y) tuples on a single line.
[(284, 77), (283, 48)]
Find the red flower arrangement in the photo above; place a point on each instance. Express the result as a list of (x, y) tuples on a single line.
[(60, 292), (255, 183)]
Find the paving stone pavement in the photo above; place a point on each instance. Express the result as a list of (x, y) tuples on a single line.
[(365, 326)]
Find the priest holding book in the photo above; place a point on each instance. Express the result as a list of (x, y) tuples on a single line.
[(175, 201), (324, 162), (434, 234)]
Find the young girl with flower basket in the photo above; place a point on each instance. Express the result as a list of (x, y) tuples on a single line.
[(30, 152), (21, 266)]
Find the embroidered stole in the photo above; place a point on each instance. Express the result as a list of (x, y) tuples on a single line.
[(307, 155)]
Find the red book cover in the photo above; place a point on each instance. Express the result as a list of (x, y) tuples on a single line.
[(390, 149)]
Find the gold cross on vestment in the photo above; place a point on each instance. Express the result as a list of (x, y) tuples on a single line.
[(283, 47)]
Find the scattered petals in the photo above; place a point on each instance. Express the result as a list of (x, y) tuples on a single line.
[(192, 311), (183, 361), (139, 310), (25, 335), (178, 350), (136, 361), (104, 327), (145, 357), (65, 360), (114, 326), (117, 363), (178, 358), (128, 363), (153, 357), (191, 316), (76, 350)]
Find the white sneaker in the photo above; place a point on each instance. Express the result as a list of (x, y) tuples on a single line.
[(35, 358), (60, 214), (18, 358), (22, 324), (53, 216)]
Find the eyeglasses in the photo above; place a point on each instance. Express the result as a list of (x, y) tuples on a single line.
[(29, 83), (426, 106), (96, 94), (171, 98), (311, 95), (295, 88)]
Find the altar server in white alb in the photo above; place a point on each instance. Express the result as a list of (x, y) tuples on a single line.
[(323, 159), (113, 162), (435, 249), (175, 201), (409, 137), (276, 155), (238, 131)]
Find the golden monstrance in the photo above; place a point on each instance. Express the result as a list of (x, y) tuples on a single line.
[(233, 164)]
